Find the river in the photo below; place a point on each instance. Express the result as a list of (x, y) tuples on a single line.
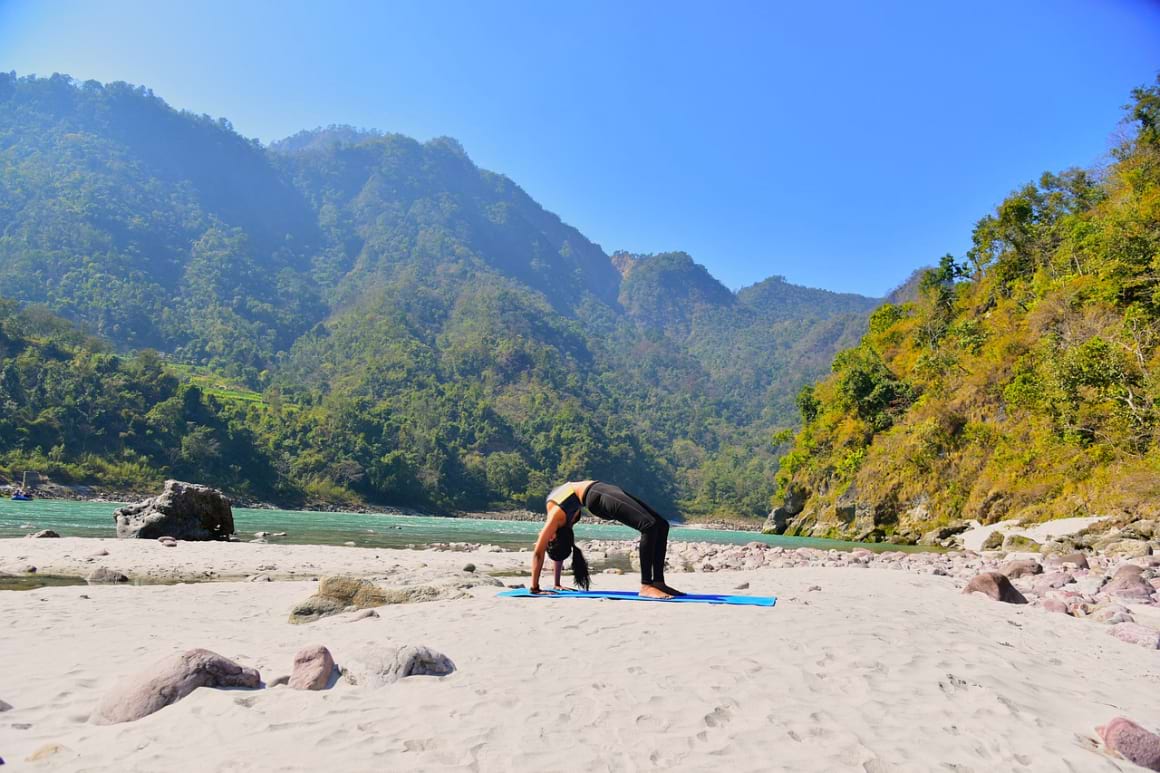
[(95, 519)]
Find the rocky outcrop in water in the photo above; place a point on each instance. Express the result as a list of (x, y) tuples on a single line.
[(184, 511), (779, 518)]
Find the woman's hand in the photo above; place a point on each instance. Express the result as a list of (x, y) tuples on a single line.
[(563, 587)]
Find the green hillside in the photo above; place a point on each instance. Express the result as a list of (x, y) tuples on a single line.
[(1024, 381), (78, 413), (383, 320)]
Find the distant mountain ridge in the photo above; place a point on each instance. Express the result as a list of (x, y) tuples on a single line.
[(419, 330)]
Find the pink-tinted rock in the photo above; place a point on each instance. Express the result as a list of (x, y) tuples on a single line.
[(1128, 583), (1016, 569), (312, 668), (168, 681), (1134, 633), (1054, 605), (1112, 614), (996, 586), (1051, 581), (1124, 737)]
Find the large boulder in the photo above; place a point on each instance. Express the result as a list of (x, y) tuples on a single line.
[(312, 668), (1018, 543), (1124, 737), (1020, 568), (185, 511), (1051, 581), (377, 667), (168, 681), (1128, 583), (1057, 546), (776, 522), (1142, 529), (995, 586), (338, 594), (1128, 548), (779, 518), (940, 535)]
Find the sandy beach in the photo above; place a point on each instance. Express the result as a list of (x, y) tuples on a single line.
[(858, 667)]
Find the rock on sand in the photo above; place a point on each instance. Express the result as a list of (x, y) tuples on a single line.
[(1124, 737), (168, 681), (378, 667), (995, 586), (312, 668), (182, 510)]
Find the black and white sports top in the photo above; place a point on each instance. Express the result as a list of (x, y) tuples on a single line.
[(566, 497)]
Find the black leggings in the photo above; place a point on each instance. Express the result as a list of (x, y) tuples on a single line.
[(615, 504)]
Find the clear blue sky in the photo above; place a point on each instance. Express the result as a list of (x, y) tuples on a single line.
[(840, 144)]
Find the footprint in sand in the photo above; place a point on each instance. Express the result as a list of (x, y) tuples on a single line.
[(718, 717), (649, 722)]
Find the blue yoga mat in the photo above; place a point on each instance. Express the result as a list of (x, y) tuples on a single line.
[(628, 595)]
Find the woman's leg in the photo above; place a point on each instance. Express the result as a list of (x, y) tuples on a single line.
[(660, 540), (615, 504)]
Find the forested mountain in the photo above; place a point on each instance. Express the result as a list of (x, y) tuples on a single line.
[(71, 407), (350, 315), (1023, 381)]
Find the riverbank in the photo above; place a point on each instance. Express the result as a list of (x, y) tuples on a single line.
[(868, 662), (92, 494)]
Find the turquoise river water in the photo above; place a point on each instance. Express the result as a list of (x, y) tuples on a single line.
[(95, 519)]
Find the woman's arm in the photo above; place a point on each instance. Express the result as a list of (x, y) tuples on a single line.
[(556, 519), (557, 568)]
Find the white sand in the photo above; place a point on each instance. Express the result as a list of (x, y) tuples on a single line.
[(974, 537), (879, 670), (151, 561)]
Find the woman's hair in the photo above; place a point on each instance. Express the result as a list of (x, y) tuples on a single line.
[(558, 549)]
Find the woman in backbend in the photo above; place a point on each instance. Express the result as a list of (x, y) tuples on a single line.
[(615, 504)]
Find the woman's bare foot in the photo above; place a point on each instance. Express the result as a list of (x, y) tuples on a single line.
[(648, 591), (669, 589)]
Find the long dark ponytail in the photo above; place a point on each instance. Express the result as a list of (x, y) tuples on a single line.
[(580, 568), (558, 549)]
